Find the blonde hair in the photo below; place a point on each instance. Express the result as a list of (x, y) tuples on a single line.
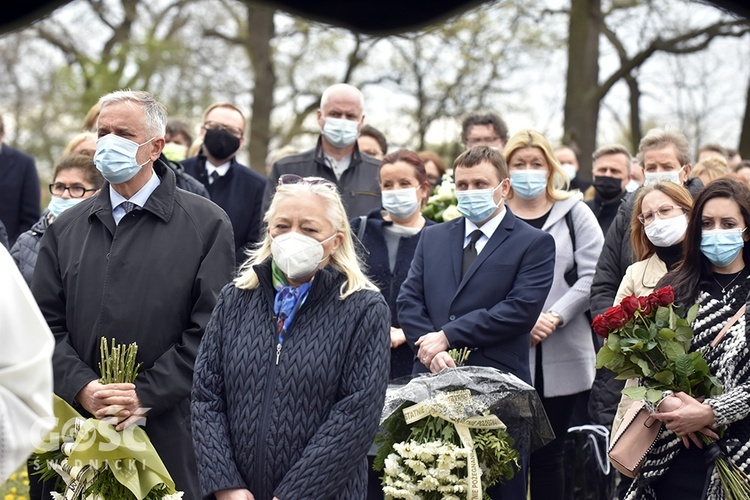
[(714, 167), (557, 181), (76, 141), (345, 259)]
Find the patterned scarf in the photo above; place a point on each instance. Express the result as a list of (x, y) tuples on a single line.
[(287, 301)]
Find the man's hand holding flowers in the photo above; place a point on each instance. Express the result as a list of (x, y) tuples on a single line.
[(441, 361), (116, 402)]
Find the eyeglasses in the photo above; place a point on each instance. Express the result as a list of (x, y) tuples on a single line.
[(664, 212), (209, 125), (59, 189), (296, 179), (475, 141)]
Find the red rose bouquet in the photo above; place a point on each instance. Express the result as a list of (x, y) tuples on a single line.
[(649, 338)]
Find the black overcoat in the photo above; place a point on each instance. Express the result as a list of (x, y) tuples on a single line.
[(153, 279)]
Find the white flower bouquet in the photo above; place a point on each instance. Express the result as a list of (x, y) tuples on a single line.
[(453, 434), (90, 460), (442, 204)]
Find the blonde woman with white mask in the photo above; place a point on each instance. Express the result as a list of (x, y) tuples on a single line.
[(293, 368), (657, 229)]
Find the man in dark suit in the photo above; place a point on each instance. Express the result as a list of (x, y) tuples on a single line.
[(20, 205), (490, 307), (231, 185)]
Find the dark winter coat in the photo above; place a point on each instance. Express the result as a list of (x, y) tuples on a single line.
[(240, 193), (184, 180), (605, 210), (614, 260), (358, 186), (300, 428), (378, 268), (20, 198), (26, 248), (153, 279)]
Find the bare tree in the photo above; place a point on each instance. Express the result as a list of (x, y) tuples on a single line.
[(585, 87)]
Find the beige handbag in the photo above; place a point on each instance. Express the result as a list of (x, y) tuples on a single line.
[(635, 438), (639, 430)]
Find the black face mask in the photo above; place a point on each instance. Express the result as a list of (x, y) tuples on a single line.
[(607, 187), (220, 143)]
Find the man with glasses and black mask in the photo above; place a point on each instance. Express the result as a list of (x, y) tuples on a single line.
[(336, 157), (231, 185)]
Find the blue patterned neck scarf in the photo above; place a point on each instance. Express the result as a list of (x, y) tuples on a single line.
[(287, 301)]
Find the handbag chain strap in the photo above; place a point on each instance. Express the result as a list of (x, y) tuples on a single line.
[(728, 325)]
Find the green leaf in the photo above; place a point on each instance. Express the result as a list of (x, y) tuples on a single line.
[(673, 350), (692, 313), (604, 356), (635, 393), (654, 395), (683, 366), (643, 364), (628, 374), (684, 334), (666, 377), (613, 342), (662, 315), (672, 319), (667, 334)]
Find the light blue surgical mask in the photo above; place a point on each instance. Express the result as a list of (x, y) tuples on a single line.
[(722, 246), (477, 205), (400, 203), (651, 178), (340, 132), (528, 184), (58, 205), (115, 158)]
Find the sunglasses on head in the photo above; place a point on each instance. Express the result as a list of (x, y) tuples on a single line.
[(296, 179)]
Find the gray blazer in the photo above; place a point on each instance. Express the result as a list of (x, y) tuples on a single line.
[(569, 357)]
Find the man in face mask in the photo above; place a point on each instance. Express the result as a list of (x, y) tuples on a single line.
[(665, 157), (478, 281), (611, 175), (336, 157), (140, 261), (231, 185)]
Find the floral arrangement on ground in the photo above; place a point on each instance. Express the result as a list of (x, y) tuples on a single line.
[(453, 434)]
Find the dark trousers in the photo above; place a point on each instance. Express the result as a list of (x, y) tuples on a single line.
[(547, 465), (686, 478)]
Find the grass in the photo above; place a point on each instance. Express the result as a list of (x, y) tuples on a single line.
[(17, 486)]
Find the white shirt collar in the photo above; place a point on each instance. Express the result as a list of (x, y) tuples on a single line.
[(220, 169), (488, 228), (140, 198)]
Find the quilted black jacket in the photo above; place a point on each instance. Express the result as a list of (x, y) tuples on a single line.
[(26, 248), (299, 428)]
